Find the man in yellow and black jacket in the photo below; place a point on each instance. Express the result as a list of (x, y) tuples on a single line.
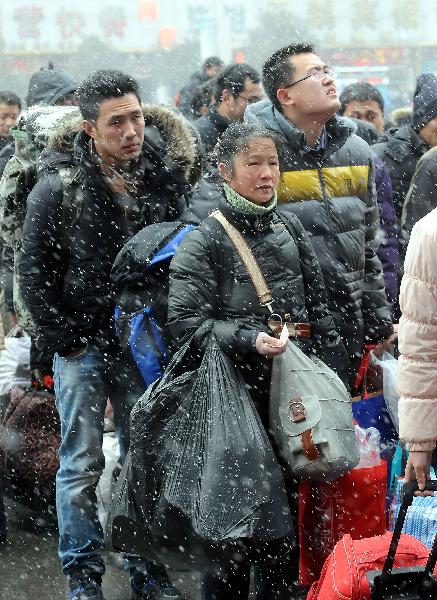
[(327, 181)]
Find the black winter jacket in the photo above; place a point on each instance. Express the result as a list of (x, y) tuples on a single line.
[(422, 195), (400, 149), (210, 128), (205, 196), (65, 272), (210, 289), (332, 193)]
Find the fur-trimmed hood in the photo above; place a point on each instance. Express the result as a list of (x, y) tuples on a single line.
[(166, 130)]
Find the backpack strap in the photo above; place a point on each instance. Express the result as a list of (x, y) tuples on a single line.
[(19, 177), (71, 178)]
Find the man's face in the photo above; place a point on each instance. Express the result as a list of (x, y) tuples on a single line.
[(236, 105), (67, 100), (429, 133), (8, 117), (366, 110), (315, 96), (118, 132)]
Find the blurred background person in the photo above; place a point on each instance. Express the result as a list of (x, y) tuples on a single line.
[(47, 87), (364, 102), (184, 101), (236, 87), (401, 116), (10, 108), (401, 147)]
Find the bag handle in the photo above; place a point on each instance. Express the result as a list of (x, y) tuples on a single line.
[(407, 499), (263, 292)]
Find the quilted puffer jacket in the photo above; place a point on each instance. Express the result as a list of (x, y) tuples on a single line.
[(332, 192), (210, 289), (417, 377)]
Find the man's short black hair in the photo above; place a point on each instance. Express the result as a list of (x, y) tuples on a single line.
[(233, 79), (212, 61), (102, 85), (204, 95), (10, 99), (358, 92), (278, 70)]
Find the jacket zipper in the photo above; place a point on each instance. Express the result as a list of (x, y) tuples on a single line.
[(325, 197)]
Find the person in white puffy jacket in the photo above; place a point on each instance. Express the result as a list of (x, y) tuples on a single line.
[(417, 376)]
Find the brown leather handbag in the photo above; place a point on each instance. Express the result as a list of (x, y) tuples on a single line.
[(30, 435)]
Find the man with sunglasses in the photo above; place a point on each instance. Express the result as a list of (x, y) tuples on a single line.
[(237, 86), (327, 180)]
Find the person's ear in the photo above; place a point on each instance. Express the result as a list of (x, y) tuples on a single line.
[(284, 97), (225, 171), (90, 128), (226, 96)]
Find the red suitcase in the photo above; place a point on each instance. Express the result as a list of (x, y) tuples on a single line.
[(387, 567)]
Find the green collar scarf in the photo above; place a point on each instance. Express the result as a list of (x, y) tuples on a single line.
[(242, 204)]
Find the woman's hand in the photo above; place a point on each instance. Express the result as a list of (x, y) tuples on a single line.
[(269, 346), (418, 467)]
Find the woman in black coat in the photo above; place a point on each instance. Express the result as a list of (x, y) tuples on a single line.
[(211, 291)]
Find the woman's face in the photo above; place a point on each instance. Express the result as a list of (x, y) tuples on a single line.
[(256, 171)]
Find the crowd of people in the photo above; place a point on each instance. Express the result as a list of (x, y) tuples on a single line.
[(336, 200)]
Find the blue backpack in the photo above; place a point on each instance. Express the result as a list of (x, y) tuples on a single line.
[(140, 277)]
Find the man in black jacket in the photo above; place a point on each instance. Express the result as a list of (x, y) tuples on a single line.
[(400, 148), (327, 180), (238, 86), (83, 209)]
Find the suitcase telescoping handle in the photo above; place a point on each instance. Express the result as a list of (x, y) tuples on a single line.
[(407, 499)]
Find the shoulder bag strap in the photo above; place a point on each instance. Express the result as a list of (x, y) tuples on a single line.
[(249, 261)]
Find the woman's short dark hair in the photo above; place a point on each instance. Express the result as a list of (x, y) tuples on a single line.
[(237, 138), (103, 85)]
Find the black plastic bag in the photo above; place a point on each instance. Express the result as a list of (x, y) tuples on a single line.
[(201, 475)]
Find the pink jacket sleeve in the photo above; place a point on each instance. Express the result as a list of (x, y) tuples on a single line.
[(417, 376)]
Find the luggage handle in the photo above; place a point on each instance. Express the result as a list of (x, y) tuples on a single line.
[(407, 499)]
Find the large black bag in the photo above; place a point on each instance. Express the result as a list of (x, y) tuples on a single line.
[(201, 475)]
